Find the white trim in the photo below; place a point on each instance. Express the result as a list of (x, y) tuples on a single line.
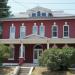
[(10, 58), (9, 64), (12, 34), (43, 32), (22, 30), (33, 28), (22, 52), (54, 25), (34, 49), (30, 72), (68, 30)]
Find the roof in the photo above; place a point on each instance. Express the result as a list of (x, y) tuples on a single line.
[(35, 9), (27, 15)]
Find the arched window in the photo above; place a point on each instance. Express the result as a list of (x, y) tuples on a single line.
[(66, 30), (12, 31), (35, 29), (22, 31), (42, 30), (54, 31)]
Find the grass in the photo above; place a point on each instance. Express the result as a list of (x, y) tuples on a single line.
[(44, 71), (6, 70)]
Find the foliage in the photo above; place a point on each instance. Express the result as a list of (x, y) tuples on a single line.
[(4, 52), (4, 9), (57, 59)]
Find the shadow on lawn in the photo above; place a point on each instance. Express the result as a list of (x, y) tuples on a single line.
[(54, 73), (72, 72)]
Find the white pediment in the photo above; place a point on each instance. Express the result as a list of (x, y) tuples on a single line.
[(33, 36)]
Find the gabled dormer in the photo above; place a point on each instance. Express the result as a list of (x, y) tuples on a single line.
[(40, 12)]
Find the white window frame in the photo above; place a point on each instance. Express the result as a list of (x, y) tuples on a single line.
[(13, 54), (68, 30), (42, 33), (22, 30), (33, 29), (12, 34), (53, 31)]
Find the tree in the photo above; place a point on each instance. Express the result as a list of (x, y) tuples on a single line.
[(4, 52), (4, 9), (57, 59)]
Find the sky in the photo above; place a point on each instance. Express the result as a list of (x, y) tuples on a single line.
[(68, 6)]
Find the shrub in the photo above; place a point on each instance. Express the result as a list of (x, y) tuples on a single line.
[(4, 52), (57, 59)]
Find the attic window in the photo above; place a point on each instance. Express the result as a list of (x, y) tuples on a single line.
[(38, 13), (33, 14), (50, 15), (44, 14)]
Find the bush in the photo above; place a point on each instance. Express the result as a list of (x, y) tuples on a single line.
[(4, 53), (57, 59)]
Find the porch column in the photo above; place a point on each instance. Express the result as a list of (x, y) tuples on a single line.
[(21, 58), (47, 45)]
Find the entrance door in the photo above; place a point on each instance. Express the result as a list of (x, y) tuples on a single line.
[(37, 52)]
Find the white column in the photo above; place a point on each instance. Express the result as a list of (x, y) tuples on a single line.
[(47, 45), (21, 51)]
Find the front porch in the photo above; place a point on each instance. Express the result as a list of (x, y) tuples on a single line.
[(28, 50)]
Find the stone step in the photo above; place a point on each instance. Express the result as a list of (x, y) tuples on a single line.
[(24, 71)]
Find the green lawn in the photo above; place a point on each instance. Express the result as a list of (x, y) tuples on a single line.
[(44, 71)]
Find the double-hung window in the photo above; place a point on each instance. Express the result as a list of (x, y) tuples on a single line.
[(22, 31), (54, 31), (12, 32), (35, 29), (42, 30), (66, 30)]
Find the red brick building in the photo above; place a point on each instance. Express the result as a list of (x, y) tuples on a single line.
[(31, 32)]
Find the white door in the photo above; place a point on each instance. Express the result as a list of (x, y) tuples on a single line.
[(36, 54)]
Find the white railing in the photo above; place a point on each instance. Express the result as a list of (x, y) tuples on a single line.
[(37, 41)]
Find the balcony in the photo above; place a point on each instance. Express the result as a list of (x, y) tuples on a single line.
[(38, 41)]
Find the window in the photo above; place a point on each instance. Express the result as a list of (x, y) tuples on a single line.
[(22, 31), (44, 14), (1, 30), (11, 52), (38, 14), (12, 32), (33, 14), (35, 29), (50, 15), (42, 30), (66, 30), (54, 31)]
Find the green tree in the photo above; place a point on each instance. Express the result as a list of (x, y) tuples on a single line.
[(57, 59), (4, 52), (4, 9)]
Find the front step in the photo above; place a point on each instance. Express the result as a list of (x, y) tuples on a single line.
[(24, 71)]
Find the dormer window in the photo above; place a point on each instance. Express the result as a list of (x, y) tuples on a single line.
[(33, 14), (38, 14), (50, 15), (43, 14)]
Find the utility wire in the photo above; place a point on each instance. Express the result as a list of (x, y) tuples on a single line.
[(20, 4)]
